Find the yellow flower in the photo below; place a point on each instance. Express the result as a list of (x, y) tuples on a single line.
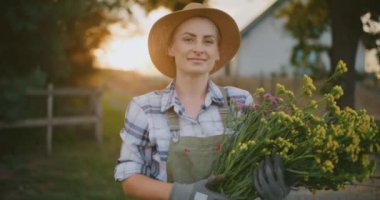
[(260, 90), (320, 131), (340, 68), (263, 121), (251, 142), (329, 98), (365, 125), (355, 139), (280, 89), (328, 166), (312, 104), (337, 129), (365, 160), (290, 94), (243, 147), (332, 144), (317, 141), (377, 148), (308, 87), (353, 150), (337, 91), (265, 152)]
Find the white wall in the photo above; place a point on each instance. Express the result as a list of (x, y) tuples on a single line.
[(267, 47)]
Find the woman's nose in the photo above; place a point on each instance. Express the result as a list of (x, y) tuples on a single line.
[(198, 52), (198, 48)]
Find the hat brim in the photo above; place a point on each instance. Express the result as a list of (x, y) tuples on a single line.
[(161, 31)]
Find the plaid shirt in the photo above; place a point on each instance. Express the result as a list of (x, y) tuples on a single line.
[(146, 135)]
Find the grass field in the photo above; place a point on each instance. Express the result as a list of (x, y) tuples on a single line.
[(79, 168)]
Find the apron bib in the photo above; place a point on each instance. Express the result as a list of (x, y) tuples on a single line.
[(192, 158)]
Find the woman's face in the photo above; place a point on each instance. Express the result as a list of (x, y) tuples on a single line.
[(195, 47)]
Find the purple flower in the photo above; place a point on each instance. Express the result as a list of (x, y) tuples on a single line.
[(255, 106), (271, 98), (237, 103)]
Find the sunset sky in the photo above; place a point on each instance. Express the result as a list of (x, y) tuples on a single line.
[(127, 47)]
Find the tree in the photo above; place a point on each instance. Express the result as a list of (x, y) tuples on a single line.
[(51, 41), (39, 40), (171, 5), (308, 20), (47, 35)]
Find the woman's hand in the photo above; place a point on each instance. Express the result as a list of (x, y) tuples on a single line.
[(200, 190), (269, 180)]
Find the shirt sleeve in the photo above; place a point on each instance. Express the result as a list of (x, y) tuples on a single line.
[(136, 149), (248, 100), (239, 95)]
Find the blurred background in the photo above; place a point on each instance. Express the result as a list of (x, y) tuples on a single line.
[(68, 69)]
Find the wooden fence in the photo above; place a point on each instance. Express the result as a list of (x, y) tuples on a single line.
[(50, 120)]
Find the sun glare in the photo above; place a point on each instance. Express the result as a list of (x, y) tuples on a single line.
[(122, 53), (127, 48)]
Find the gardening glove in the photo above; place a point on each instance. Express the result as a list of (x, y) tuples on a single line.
[(200, 190), (269, 181)]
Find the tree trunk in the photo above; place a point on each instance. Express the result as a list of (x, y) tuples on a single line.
[(346, 30)]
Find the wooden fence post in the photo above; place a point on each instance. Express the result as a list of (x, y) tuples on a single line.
[(49, 121), (49, 127), (98, 115), (273, 80), (295, 84), (261, 81)]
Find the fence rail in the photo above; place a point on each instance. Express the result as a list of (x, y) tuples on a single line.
[(50, 121)]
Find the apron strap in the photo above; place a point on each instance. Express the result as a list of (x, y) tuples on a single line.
[(225, 109), (173, 119), (173, 122)]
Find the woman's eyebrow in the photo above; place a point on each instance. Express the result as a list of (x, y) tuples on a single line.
[(194, 35), (188, 33), (210, 36)]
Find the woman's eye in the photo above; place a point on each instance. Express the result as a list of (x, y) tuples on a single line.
[(209, 41), (187, 39)]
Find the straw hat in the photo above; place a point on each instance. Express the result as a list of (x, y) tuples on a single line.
[(159, 36)]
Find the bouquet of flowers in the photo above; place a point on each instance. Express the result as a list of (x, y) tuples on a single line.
[(320, 150)]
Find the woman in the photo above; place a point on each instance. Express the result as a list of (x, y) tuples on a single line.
[(171, 137)]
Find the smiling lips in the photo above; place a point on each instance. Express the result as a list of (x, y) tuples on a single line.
[(197, 60)]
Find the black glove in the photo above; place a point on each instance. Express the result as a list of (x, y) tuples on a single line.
[(200, 190), (269, 181)]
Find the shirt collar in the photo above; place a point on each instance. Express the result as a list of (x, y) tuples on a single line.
[(215, 95), (170, 98)]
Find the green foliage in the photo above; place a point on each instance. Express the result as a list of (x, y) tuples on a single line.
[(170, 4), (52, 41), (44, 41), (306, 22), (13, 100), (50, 35)]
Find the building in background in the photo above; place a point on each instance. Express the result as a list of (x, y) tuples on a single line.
[(266, 47)]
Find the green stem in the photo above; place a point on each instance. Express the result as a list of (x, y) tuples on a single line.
[(297, 172), (302, 157)]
